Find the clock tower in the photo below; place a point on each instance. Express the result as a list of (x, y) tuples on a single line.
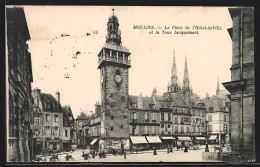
[(114, 62)]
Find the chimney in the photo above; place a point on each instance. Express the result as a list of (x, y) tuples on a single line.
[(97, 108), (36, 94), (58, 97), (140, 101)]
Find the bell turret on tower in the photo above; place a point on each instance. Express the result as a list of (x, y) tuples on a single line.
[(113, 52), (113, 32), (186, 81)]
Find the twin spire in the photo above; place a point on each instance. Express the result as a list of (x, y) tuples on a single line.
[(174, 85)]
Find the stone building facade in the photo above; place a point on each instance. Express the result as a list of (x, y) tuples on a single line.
[(114, 63), (52, 123), (242, 85), (19, 113), (81, 120)]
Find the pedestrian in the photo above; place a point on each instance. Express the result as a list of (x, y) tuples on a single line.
[(154, 151), (104, 155), (168, 150), (100, 154), (113, 151), (171, 149), (125, 154)]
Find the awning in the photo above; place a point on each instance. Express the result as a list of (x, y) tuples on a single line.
[(66, 141), (93, 141), (54, 141), (167, 138), (184, 138), (213, 137), (200, 138), (153, 139), (138, 139)]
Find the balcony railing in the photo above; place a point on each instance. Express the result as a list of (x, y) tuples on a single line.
[(114, 59)]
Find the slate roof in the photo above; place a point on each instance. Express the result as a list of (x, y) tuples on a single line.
[(50, 103), (215, 102)]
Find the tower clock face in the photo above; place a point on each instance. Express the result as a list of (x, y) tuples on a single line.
[(118, 78)]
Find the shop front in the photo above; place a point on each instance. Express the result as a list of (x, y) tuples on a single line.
[(154, 142), (213, 139), (138, 143), (94, 145), (199, 140), (168, 141), (183, 142)]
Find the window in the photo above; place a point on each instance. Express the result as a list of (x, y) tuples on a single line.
[(188, 129), (52, 131), (66, 133), (210, 118), (48, 117), (169, 116), (182, 129), (146, 117), (153, 130), (112, 117), (112, 128), (153, 116), (56, 118), (162, 116), (121, 126), (125, 116), (80, 124), (175, 110), (37, 121), (86, 132), (209, 128), (145, 129), (176, 129), (166, 129), (134, 115), (176, 120), (162, 126), (225, 118)]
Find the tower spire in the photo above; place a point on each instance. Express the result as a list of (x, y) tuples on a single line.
[(186, 81), (217, 90), (174, 77)]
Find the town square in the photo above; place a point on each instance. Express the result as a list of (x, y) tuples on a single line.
[(130, 84)]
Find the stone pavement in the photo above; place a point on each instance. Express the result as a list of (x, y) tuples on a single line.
[(145, 156)]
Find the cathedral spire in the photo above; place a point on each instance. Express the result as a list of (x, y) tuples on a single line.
[(186, 81), (174, 86), (217, 90), (174, 77)]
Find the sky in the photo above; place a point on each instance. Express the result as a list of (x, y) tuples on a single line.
[(68, 63)]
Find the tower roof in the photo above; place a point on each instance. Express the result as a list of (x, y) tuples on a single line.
[(113, 32)]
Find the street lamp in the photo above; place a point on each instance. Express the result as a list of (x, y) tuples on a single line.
[(207, 147)]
